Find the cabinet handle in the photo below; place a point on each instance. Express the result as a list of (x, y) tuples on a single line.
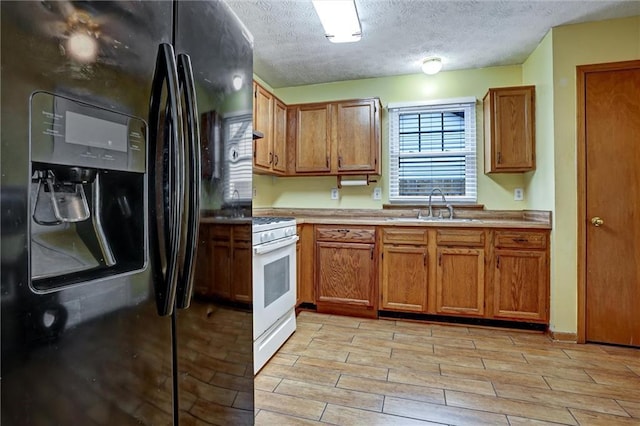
[(276, 160), (339, 161), (424, 259), (270, 157), (499, 157), (498, 262), (327, 161), (440, 259), (520, 240), (371, 253)]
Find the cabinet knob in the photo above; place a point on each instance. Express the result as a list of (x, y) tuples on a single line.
[(597, 221)]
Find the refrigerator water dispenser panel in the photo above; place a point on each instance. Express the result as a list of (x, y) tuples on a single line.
[(69, 132)]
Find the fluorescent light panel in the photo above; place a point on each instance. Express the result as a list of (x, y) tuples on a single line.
[(339, 19)]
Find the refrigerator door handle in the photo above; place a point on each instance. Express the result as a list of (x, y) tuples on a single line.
[(165, 211), (192, 210)]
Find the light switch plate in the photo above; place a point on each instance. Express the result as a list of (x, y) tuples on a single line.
[(334, 193), (377, 193), (518, 194)]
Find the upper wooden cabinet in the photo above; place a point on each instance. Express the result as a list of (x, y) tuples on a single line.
[(336, 138), (357, 126), (312, 138), (269, 118), (509, 129), (279, 163)]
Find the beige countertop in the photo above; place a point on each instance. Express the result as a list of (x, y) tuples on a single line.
[(521, 219), (225, 220), (438, 223)]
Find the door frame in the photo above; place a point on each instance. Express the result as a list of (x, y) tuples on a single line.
[(581, 74)]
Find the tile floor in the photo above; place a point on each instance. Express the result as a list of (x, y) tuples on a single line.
[(352, 371)]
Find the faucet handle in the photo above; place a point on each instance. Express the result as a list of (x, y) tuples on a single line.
[(450, 208)]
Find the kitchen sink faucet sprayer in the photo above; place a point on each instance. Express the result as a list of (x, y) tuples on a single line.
[(448, 205)]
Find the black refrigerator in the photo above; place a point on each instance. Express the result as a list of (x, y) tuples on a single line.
[(122, 124)]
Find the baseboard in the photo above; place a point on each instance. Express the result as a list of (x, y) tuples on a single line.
[(562, 336), (481, 322)]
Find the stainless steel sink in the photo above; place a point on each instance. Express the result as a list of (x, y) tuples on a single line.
[(429, 219)]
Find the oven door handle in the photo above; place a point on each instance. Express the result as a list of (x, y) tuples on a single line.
[(267, 248)]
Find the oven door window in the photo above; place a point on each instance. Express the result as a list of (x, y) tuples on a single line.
[(276, 280)]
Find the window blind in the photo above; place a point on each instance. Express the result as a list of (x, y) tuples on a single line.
[(238, 138), (433, 146)]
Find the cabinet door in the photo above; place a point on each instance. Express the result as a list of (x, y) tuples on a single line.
[(313, 138), (520, 285), (404, 278), (263, 122), (279, 163), (460, 281), (242, 275), (304, 263), (357, 136), (202, 276), (220, 267), (510, 129), (345, 273)]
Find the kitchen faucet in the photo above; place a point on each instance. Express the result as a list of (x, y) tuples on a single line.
[(448, 205)]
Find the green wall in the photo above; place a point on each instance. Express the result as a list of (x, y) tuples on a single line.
[(573, 45), (496, 192)]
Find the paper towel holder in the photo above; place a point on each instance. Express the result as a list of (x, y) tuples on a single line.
[(354, 182)]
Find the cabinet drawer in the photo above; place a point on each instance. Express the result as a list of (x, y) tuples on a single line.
[(460, 237), (349, 234), (404, 236), (530, 240), (242, 233), (220, 232)]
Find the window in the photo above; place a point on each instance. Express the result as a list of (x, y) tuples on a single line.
[(238, 140), (433, 145)]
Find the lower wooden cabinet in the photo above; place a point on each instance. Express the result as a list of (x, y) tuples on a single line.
[(305, 260), (241, 257), (221, 268), (460, 272), (460, 281), (404, 271), (487, 273), (202, 274), (521, 276), (346, 271)]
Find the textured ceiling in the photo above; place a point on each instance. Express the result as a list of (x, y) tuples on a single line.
[(291, 50)]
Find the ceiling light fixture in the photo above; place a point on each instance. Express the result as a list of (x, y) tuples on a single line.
[(432, 65), (339, 19), (237, 82)]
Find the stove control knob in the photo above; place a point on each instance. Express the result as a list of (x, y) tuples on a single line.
[(264, 237), (288, 232)]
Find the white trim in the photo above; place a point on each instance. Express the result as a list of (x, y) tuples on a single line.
[(441, 102)]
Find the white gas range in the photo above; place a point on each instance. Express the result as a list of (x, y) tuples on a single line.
[(274, 285)]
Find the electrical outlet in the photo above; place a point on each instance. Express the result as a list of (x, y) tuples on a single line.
[(255, 192), (377, 193), (335, 194), (518, 194)]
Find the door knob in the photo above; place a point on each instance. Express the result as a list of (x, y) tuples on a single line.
[(596, 221)]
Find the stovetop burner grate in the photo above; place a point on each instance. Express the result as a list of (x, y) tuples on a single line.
[(265, 220)]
